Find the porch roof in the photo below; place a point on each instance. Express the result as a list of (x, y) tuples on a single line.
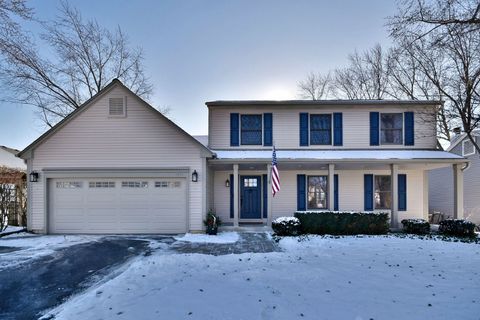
[(340, 155)]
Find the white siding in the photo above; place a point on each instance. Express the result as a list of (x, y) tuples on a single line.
[(356, 125), (350, 192), (142, 139)]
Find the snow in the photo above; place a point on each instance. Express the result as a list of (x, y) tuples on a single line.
[(11, 229), (336, 154), (36, 246), (221, 237), (287, 220), (316, 278)]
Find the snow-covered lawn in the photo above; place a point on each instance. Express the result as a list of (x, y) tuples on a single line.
[(320, 278), (10, 229), (35, 246)]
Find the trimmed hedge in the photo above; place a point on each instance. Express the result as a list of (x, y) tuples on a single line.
[(416, 226), (343, 222), (286, 226), (457, 227)]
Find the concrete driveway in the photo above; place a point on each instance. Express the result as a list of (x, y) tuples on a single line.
[(42, 283)]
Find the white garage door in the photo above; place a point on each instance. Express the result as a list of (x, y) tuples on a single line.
[(117, 205)]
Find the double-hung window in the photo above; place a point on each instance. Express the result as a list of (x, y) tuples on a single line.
[(391, 126), (251, 129), (317, 192), (383, 192), (321, 129)]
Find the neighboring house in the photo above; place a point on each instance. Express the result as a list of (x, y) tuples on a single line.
[(441, 181), (8, 158), (116, 165)]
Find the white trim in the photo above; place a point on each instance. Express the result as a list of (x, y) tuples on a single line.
[(310, 128), (240, 128), (463, 148)]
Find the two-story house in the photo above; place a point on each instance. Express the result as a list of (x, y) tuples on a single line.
[(117, 165)]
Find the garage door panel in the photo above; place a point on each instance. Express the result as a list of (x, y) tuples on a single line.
[(155, 205)]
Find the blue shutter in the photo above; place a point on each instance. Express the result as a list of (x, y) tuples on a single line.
[(335, 192), (303, 129), (402, 192), (337, 129), (374, 129), (301, 192), (368, 192), (265, 195), (234, 129), (231, 196), (409, 129), (267, 129)]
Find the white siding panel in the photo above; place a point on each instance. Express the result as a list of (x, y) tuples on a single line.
[(143, 139), (356, 126)]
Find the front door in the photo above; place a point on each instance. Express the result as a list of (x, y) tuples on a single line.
[(250, 197)]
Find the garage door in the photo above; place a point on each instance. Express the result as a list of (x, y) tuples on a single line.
[(117, 205)]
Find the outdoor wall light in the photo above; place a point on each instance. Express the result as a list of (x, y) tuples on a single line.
[(33, 176), (227, 183), (194, 176)]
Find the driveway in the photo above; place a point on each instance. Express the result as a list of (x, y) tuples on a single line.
[(45, 282)]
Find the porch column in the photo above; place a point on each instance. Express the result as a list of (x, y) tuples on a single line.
[(457, 191), (269, 195), (236, 184), (394, 203), (331, 195), (425, 194)]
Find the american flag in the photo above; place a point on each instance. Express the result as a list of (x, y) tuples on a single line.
[(275, 175)]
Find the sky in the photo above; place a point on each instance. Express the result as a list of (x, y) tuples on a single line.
[(198, 51)]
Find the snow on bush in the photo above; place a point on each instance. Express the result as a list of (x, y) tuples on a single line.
[(286, 226), (457, 227), (416, 226)]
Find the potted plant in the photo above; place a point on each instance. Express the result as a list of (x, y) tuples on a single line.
[(212, 222)]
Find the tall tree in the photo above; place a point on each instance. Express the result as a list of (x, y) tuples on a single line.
[(315, 86), (365, 77), (443, 37), (83, 58)]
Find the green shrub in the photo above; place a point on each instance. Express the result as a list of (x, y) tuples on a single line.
[(286, 226), (416, 226), (343, 222), (457, 227)]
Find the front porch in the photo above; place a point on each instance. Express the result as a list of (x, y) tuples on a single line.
[(242, 187)]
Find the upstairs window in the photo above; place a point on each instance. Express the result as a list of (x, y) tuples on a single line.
[(383, 192), (116, 107), (251, 129), (467, 148), (321, 129), (391, 126)]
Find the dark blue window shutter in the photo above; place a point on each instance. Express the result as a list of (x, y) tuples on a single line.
[(337, 129), (265, 195), (234, 129), (231, 196), (267, 129), (303, 129), (335, 192), (402, 192), (374, 129), (368, 192), (301, 192), (409, 129)]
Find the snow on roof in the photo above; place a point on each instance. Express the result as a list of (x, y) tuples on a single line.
[(338, 154), (202, 139), (322, 102)]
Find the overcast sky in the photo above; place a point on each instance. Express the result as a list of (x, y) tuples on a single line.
[(197, 51)]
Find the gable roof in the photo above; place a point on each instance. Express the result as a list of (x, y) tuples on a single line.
[(461, 137), (86, 104), (11, 150), (238, 103)]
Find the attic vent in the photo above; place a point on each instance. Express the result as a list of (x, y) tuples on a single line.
[(116, 107)]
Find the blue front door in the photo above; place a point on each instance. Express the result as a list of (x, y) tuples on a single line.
[(250, 197)]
